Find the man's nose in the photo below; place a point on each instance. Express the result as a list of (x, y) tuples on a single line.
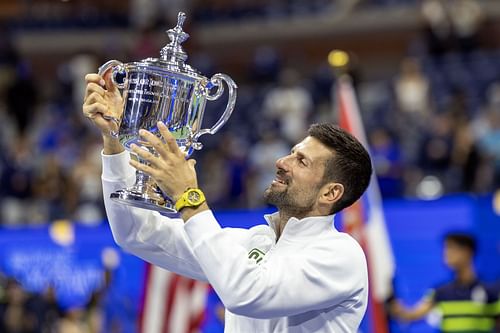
[(282, 163)]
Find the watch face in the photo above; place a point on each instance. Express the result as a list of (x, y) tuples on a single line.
[(193, 196)]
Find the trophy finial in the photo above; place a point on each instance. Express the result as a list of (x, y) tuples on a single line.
[(173, 51), (181, 17)]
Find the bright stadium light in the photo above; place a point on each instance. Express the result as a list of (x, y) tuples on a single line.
[(338, 58), (62, 232)]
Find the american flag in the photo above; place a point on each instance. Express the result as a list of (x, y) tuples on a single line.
[(364, 220), (171, 303)]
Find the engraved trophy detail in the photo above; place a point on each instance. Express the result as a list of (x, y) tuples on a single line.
[(167, 90)]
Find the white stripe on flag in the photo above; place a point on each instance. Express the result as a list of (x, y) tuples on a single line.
[(154, 302)]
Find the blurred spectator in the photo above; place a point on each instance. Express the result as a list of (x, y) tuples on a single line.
[(17, 181), (224, 171), (489, 147), (411, 92), (452, 25), (466, 17), (435, 152), (465, 157), (214, 177), (73, 321), (54, 186), (47, 311), (262, 158), (265, 66), (438, 30), (483, 128), (412, 88), (15, 313), (289, 104), (462, 303), (80, 65), (86, 182), (387, 163), (22, 97)]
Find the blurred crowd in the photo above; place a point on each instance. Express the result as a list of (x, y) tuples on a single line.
[(46, 14), (433, 128), (22, 311)]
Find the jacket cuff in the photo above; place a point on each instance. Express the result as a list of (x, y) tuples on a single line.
[(116, 167)]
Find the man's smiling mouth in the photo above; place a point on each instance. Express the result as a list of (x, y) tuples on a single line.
[(281, 180)]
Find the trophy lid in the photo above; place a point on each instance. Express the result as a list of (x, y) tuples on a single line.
[(172, 56), (173, 51)]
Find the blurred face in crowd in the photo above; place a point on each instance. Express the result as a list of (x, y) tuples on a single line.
[(15, 294), (299, 178), (456, 256)]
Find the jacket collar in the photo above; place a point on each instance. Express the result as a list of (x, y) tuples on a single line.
[(309, 226)]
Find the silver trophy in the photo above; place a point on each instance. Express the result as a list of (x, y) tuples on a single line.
[(167, 90)]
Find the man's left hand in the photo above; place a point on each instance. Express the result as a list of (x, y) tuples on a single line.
[(169, 167)]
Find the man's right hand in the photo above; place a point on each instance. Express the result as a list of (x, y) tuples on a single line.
[(103, 102)]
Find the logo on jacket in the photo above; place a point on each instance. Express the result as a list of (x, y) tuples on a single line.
[(256, 254)]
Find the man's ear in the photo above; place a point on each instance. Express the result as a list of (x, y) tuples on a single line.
[(331, 193)]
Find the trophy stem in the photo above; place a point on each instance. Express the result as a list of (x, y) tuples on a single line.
[(145, 194)]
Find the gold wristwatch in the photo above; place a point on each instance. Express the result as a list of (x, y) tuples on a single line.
[(192, 197)]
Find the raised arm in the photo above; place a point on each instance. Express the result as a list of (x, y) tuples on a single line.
[(154, 238)]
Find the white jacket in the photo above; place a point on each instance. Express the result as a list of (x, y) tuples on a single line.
[(313, 279)]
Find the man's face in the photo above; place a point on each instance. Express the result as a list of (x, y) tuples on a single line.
[(456, 256), (299, 177)]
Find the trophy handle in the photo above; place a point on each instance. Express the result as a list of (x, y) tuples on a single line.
[(216, 81), (119, 73), (119, 76)]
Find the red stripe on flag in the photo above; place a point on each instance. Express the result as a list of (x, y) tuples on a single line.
[(142, 310)]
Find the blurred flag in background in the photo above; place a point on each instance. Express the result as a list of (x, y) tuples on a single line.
[(171, 303), (364, 220)]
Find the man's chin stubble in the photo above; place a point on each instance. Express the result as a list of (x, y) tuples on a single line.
[(275, 198)]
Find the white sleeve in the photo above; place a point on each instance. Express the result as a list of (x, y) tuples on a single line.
[(155, 238), (313, 279)]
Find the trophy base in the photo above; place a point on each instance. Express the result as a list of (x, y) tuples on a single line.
[(145, 201)]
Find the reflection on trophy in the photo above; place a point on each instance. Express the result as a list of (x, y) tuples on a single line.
[(167, 90)]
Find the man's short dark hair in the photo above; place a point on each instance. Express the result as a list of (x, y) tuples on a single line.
[(462, 239), (350, 164)]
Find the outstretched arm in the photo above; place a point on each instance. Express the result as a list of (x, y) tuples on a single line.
[(422, 309)]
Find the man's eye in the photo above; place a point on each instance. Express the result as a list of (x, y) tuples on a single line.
[(302, 161)]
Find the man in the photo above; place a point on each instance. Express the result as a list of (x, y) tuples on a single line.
[(299, 274), (464, 303)]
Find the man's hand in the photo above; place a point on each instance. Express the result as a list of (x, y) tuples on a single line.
[(103, 105), (169, 168)]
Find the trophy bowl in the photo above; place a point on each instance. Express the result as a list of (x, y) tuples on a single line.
[(170, 91)]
